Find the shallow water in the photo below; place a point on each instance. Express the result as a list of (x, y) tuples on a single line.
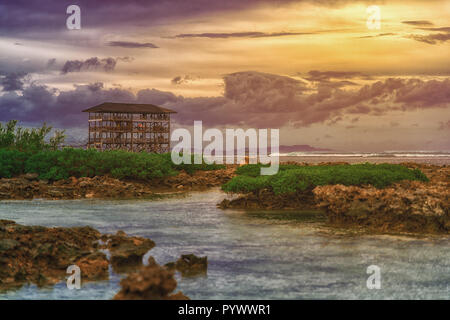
[(251, 255)]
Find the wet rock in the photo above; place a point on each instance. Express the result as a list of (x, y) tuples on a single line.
[(190, 265), (94, 266), (408, 206), (41, 255), (170, 266), (8, 244), (127, 252), (266, 199), (32, 254), (151, 282)]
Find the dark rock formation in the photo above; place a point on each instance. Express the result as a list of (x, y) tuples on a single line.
[(41, 255), (190, 265), (127, 252), (28, 186), (407, 206), (266, 199), (151, 282)]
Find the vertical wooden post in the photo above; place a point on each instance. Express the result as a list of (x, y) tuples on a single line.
[(169, 133), (89, 131)]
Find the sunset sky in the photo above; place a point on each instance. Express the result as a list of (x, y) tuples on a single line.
[(313, 69)]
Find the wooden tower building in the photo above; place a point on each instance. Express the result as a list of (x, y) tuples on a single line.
[(129, 126)]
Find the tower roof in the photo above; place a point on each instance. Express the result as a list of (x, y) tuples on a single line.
[(128, 108)]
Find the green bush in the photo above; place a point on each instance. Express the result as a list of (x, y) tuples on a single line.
[(61, 164), (26, 139), (192, 167), (293, 178), (12, 162)]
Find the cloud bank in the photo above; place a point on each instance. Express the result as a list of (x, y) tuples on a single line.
[(251, 98)]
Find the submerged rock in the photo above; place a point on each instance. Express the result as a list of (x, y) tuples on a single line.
[(190, 265), (151, 282)]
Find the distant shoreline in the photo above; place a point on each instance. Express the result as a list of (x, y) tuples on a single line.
[(314, 159)]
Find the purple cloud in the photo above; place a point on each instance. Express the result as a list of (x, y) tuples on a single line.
[(132, 45)]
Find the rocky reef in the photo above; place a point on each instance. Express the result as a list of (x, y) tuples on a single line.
[(41, 255), (151, 282), (406, 206), (28, 186), (267, 200)]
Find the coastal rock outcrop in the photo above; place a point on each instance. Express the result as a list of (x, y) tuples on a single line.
[(127, 252), (200, 179), (189, 265), (405, 206), (41, 255), (266, 199), (408, 206), (28, 186), (151, 282), (34, 254)]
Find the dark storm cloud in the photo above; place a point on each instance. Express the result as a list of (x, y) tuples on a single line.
[(28, 18), (132, 45), (418, 22), (19, 16), (12, 81), (51, 62), (38, 103), (250, 99), (213, 35), (91, 64)]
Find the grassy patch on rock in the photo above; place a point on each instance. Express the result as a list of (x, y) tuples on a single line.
[(294, 178)]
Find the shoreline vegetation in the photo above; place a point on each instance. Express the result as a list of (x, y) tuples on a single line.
[(404, 197), (31, 167), (386, 198), (76, 173)]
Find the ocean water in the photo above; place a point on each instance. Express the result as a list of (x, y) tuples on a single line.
[(425, 157), (251, 255)]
